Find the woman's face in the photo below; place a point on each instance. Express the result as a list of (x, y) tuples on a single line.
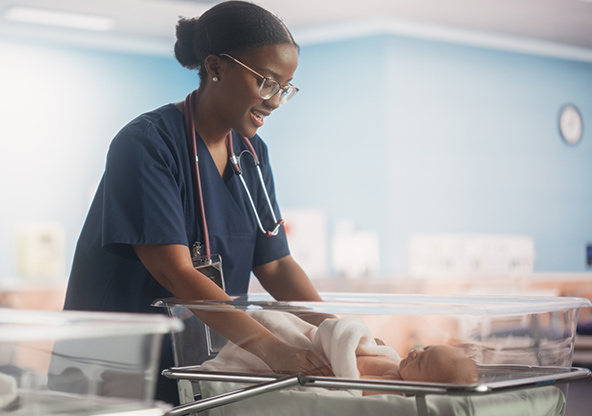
[(240, 106)]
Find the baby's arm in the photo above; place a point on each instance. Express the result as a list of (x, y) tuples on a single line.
[(377, 368)]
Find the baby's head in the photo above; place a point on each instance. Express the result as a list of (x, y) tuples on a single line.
[(439, 364)]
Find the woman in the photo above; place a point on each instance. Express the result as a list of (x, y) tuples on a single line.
[(135, 243)]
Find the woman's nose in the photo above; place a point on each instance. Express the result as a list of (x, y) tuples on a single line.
[(274, 101)]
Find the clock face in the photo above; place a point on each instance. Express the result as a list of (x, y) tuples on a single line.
[(570, 124)]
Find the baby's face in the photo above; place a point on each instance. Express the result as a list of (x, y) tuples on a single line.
[(439, 364)]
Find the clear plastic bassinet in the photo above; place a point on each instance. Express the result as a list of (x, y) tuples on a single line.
[(80, 363), (517, 343)]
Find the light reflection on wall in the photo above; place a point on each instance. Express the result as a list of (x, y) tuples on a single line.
[(59, 110), (37, 156)]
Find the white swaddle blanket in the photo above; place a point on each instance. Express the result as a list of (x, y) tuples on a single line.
[(341, 340), (338, 340)]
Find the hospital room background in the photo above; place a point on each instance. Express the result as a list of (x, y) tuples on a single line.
[(438, 143), (416, 159)]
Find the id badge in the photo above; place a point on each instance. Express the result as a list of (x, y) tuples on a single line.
[(210, 267)]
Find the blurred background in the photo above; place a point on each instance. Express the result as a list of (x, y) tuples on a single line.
[(425, 140)]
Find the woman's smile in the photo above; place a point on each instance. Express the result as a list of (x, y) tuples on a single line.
[(258, 116)]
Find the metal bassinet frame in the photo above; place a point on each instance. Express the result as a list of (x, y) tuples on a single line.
[(497, 378)]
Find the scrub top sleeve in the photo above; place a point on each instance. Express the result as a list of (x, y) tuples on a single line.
[(142, 201), (268, 249)]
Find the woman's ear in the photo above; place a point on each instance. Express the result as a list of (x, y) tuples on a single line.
[(213, 65)]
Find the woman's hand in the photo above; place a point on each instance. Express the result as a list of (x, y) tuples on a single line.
[(289, 359)]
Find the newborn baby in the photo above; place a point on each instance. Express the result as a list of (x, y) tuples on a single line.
[(435, 363), (350, 347)]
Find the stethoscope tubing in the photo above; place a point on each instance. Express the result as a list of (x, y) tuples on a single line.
[(238, 170), (190, 134)]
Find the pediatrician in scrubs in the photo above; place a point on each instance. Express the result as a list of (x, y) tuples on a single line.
[(136, 243)]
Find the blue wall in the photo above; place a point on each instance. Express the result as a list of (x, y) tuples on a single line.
[(476, 147), (328, 144), (398, 134), (412, 136)]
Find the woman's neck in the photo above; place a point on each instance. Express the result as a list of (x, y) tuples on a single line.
[(211, 130), (208, 125)]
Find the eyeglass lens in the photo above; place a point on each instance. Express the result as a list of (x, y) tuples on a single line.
[(270, 87)]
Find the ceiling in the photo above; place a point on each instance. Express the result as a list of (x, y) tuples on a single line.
[(149, 24)]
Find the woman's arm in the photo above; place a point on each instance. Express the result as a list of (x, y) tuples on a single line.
[(172, 267), (284, 279)]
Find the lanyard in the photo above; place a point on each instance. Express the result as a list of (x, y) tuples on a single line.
[(190, 134)]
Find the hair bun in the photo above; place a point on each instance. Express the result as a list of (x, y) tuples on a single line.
[(184, 48)]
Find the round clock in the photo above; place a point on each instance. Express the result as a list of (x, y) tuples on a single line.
[(570, 124)]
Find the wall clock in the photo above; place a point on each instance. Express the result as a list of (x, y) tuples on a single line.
[(570, 124)]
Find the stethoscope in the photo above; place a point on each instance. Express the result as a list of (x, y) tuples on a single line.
[(235, 162)]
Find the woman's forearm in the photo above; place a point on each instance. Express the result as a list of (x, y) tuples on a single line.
[(172, 267), (285, 280)]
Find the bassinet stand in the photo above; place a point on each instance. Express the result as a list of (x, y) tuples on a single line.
[(543, 376)]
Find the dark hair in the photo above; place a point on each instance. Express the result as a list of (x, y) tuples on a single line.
[(229, 27)]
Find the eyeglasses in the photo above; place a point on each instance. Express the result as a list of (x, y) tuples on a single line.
[(269, 86)]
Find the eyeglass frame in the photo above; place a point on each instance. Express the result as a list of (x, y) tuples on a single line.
[(280, 88)]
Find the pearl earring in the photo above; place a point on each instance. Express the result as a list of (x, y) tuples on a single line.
[(215, 79)]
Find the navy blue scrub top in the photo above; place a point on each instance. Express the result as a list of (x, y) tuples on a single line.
[(146, 196)]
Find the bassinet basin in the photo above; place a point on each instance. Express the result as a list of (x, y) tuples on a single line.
[(523, 347)]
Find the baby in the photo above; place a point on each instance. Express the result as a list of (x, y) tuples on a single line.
[(351, 350), (436, 363)]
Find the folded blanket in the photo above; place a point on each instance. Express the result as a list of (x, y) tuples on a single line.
[(538, 401), (8, 390)]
